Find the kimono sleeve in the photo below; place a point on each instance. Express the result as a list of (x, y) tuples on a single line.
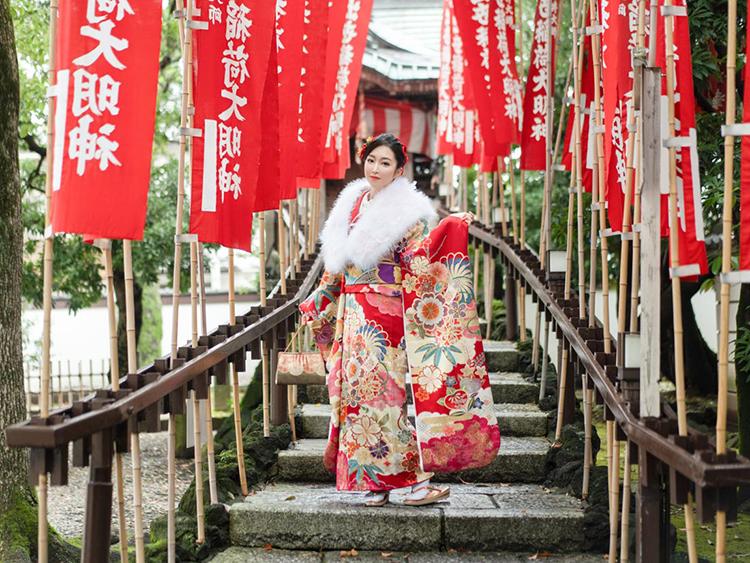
[(455, 416), (321, 307)]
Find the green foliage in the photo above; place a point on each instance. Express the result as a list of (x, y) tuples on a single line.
[(149, 340)]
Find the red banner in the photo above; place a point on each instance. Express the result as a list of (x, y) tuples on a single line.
[(311, 116), (107, 61), (289, 39), (504, 73), (534, 132), (445, 87), (230, 68), (473, 19), (745, 166), (268, 194), (588, 148), (348, 23), (689, 206)]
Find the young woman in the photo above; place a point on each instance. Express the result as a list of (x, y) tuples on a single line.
[(396, 298)]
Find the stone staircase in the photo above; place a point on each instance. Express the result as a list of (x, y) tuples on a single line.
[(492, 511)]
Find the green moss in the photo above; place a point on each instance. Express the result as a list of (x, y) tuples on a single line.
[(738, 537), (18, 533)]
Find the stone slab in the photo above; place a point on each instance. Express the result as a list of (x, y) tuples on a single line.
[(520, 460), (309, 517), (514, 420), (245, 554), (507, 387), (314, 516), (501, 355)]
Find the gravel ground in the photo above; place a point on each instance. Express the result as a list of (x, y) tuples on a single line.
[(67, 505)]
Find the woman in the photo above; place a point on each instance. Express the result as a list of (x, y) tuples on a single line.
[(396, 298)]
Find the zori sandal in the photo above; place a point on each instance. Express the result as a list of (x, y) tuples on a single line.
[(433, 494), (376, 498)]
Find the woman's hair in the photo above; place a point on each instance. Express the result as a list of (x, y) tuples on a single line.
[(386, 140)]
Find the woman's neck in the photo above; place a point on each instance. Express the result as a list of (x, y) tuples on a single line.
[(375, 191)]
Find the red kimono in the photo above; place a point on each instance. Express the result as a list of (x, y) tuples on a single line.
[(397, 298)]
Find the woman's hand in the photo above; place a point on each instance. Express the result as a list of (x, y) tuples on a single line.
[(467, 217)]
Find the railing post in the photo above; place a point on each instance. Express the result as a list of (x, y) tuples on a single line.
[(511, 306), (279, 403), (96, 532), (648, 534)]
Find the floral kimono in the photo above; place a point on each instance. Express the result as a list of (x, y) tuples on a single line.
[(397, 298)]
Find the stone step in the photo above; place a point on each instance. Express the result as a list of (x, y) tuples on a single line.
[(237, 554), (520, 460), (315, 516), (507, 387), (514, 420), (501, 355)]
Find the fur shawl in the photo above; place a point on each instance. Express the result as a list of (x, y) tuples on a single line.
[(380, 227)]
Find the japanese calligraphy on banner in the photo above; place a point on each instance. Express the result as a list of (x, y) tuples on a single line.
[(534, 131), (504, 73), (473, 19), (692, 247), (230, 67), (344, 61), (745, 164), (445, 88), (107, 61), (289, 39), (311, 118)]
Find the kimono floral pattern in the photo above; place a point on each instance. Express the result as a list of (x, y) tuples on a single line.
[(377, 330), (456, 424)]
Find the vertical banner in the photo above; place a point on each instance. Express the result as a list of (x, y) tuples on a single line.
[(268, 193), (344, 62), (289, 39), (534, 131), (107, 61), (445, 89), (312, 79), (464, 122), (473, 19), (507, 104), (692, 247), (619, 28), (745, 162), (230, 67)]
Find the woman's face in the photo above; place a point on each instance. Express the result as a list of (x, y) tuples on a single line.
[(380, 167)]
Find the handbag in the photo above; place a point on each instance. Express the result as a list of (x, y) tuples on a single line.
[(300, 367)]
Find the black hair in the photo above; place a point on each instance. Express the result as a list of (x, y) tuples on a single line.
[(392, 142)]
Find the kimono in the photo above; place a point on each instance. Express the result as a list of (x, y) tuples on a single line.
[(398, 298)]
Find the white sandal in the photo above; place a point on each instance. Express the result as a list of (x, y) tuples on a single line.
[(376, 498), (424, 493)]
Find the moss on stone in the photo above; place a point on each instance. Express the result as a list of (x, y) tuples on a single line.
[(18, 534)]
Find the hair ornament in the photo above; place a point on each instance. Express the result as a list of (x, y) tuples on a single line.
[(363, 148)]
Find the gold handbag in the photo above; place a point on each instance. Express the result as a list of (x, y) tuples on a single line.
[(300, 367)]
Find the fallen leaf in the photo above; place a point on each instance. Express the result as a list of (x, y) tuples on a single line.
[(268, 547), (540, 555), (351, 553), (386, 554), (290, 498)]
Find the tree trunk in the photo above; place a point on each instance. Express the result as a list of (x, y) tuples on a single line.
[(122, 340), (13, 462)]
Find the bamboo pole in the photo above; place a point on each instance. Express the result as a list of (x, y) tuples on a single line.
[(115, 376), (561, 392), (587, 449), (520, 288), (210, 450), (197, 421), (44, 391), (235, 376), (135, 442), (281, 229), (503, 208), (596, 58), (625, 511), (726, 266), (545, 361), (613, 467), (171, 490), (593, 245), (264, 348), (675, 263)]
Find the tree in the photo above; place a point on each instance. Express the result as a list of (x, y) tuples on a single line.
[(12, 408)]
